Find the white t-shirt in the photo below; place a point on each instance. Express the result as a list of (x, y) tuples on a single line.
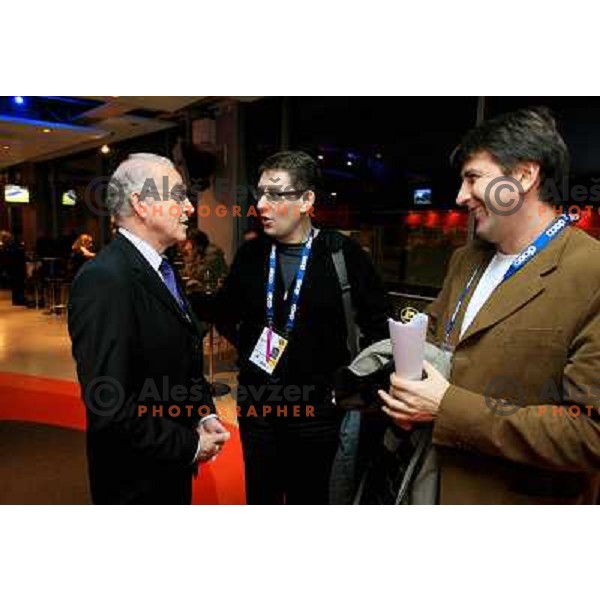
[(490, 280)]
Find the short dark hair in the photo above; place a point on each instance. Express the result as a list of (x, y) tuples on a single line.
[(303, 169), (527, 134), (200, 240)]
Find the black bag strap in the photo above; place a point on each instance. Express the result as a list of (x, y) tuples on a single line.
[(339, 262)]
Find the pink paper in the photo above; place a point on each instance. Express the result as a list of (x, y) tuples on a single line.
[(408, 346)]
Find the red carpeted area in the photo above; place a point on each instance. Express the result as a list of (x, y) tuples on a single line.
[(57, 403)]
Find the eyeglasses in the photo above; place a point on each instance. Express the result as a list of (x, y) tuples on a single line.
[(272, 196)]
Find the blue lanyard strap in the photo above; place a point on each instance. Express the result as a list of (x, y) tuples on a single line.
[(297, 285), (536, 247), (540, 243), (452, 320)]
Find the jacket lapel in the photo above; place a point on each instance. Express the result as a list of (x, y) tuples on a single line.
[(520, 289), (150, 279)]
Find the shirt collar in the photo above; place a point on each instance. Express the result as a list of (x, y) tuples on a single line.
[(147, 251)]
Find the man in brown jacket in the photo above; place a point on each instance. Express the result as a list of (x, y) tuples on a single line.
[(518, 422)]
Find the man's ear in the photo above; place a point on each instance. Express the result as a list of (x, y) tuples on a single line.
[(528, 175), (308, 200), (138, 207)]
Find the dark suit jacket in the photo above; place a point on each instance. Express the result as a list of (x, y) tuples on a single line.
[(535, 341), (133, 344)]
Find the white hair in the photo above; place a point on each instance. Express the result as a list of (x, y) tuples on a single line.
[(130, 177)]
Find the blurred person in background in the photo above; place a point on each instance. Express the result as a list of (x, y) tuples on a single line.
[(4, 237), (204, 265), (81, 251), (13, 253)]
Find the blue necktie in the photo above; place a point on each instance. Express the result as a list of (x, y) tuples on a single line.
[(169, 277)]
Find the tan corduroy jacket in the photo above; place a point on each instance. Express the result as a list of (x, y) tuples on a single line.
[(536, 341)]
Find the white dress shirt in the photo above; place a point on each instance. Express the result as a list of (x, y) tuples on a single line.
[(146, 250)]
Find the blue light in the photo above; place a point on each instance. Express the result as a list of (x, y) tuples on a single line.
[(19, 100)]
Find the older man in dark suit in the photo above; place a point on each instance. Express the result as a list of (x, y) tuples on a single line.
[(138, 348)]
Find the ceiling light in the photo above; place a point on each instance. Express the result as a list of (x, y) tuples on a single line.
[(320, 157), (19, 100), (349, 163), (6, 147), (47, 130), (105, 149)]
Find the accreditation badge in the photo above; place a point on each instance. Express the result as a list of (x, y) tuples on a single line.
[(276, 349)]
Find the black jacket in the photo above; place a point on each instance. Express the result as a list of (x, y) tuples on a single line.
[(318, 343), (133, 345)]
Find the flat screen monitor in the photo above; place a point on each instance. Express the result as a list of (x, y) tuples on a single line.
[(69, 198), (16, 194), (422, 197)]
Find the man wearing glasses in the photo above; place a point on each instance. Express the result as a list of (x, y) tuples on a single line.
[(284, 298)]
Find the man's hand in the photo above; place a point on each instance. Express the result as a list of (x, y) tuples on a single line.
[(213, 436), (214, 425), (410, 402)]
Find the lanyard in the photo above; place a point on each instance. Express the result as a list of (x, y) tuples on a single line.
[(296, 291), (536, 247), (452, 320), (555, 229)]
